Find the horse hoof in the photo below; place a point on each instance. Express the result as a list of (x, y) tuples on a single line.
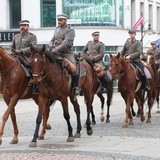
[(148, 121), (107, 121), (70, 139), (33, 144), (41, 137), (48, 127), (77, 135), (14, 141), (133, 114), (90, 132), (142, 118), (93, 122), (102, 119)]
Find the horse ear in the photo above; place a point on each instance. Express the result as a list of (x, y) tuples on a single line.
[(110, 55), (44, 48), (118, 55)]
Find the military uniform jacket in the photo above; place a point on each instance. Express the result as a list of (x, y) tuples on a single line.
[(134, 49), (155, 52), (63, 39), (23, 41), (95, 49)]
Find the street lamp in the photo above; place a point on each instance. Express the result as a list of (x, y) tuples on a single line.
[(149, 31)]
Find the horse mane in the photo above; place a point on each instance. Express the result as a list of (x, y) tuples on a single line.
[(51, 57)]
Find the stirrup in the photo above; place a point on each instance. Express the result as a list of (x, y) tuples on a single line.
[(75, 91)]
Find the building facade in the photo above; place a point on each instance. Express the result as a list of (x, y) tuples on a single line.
[(112, 18)]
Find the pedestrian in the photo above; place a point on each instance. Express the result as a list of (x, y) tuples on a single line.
[(62, 44), (132, 50), (94, 52), (21, 46)]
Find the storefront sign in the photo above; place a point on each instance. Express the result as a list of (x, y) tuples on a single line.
[(7, 36)]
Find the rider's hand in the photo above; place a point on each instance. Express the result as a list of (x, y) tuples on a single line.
[(90, 60), (18, 51), (128, 57)]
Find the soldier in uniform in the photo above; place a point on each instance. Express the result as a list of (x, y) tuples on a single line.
[(21, 42), (132, 50), (155, 51), (21, 45), (62, 44), (94, 52)]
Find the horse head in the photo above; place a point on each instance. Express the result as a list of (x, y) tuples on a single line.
[(38, 62), (115, 65)]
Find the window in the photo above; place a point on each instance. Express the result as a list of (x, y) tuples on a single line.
[(158, 22), (15, 13), (91, 12), (48, 13)]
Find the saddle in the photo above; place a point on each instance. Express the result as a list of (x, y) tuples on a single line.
[(139, 73)]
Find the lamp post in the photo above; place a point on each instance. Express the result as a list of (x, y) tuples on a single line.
[(143, 33)]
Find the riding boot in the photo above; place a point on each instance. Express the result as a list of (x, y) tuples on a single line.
[(103, 84), (35, 89), (145, 83), (75, 83)]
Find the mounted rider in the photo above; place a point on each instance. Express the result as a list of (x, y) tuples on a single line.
[(132, 50), (62, 44), (20, 47), (94, 52)]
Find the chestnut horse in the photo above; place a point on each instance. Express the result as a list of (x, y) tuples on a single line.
[(54, 78), (14, 86), (151, 62), (129, 87)]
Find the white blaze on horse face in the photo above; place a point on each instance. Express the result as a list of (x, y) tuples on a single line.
[(36, 59), (148, 58)]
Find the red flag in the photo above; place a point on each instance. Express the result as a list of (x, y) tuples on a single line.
[(138, 23)]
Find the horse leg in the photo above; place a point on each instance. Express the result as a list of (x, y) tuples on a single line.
[(132, 109), (45, 111), (66, 115), (89, 100), (33, 143), (9, 110), (14, 122), (157, 99), (102, 99), (128, 118), (77, 111), (109, 99)]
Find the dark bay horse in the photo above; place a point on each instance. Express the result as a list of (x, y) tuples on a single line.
[(55, 80), (14, 86), (128, 84)]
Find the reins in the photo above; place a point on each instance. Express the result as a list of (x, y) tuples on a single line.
[(5, 83)]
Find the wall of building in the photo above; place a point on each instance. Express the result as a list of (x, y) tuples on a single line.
[(111, 36)]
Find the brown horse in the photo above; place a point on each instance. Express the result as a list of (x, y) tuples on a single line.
[(14, 86), (129, 87), (150, 59), (54, 78)]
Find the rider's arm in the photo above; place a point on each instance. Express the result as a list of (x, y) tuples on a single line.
[(138, 52), (67, 43)]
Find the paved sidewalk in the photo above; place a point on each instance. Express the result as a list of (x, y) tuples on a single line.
[(109, 141)]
